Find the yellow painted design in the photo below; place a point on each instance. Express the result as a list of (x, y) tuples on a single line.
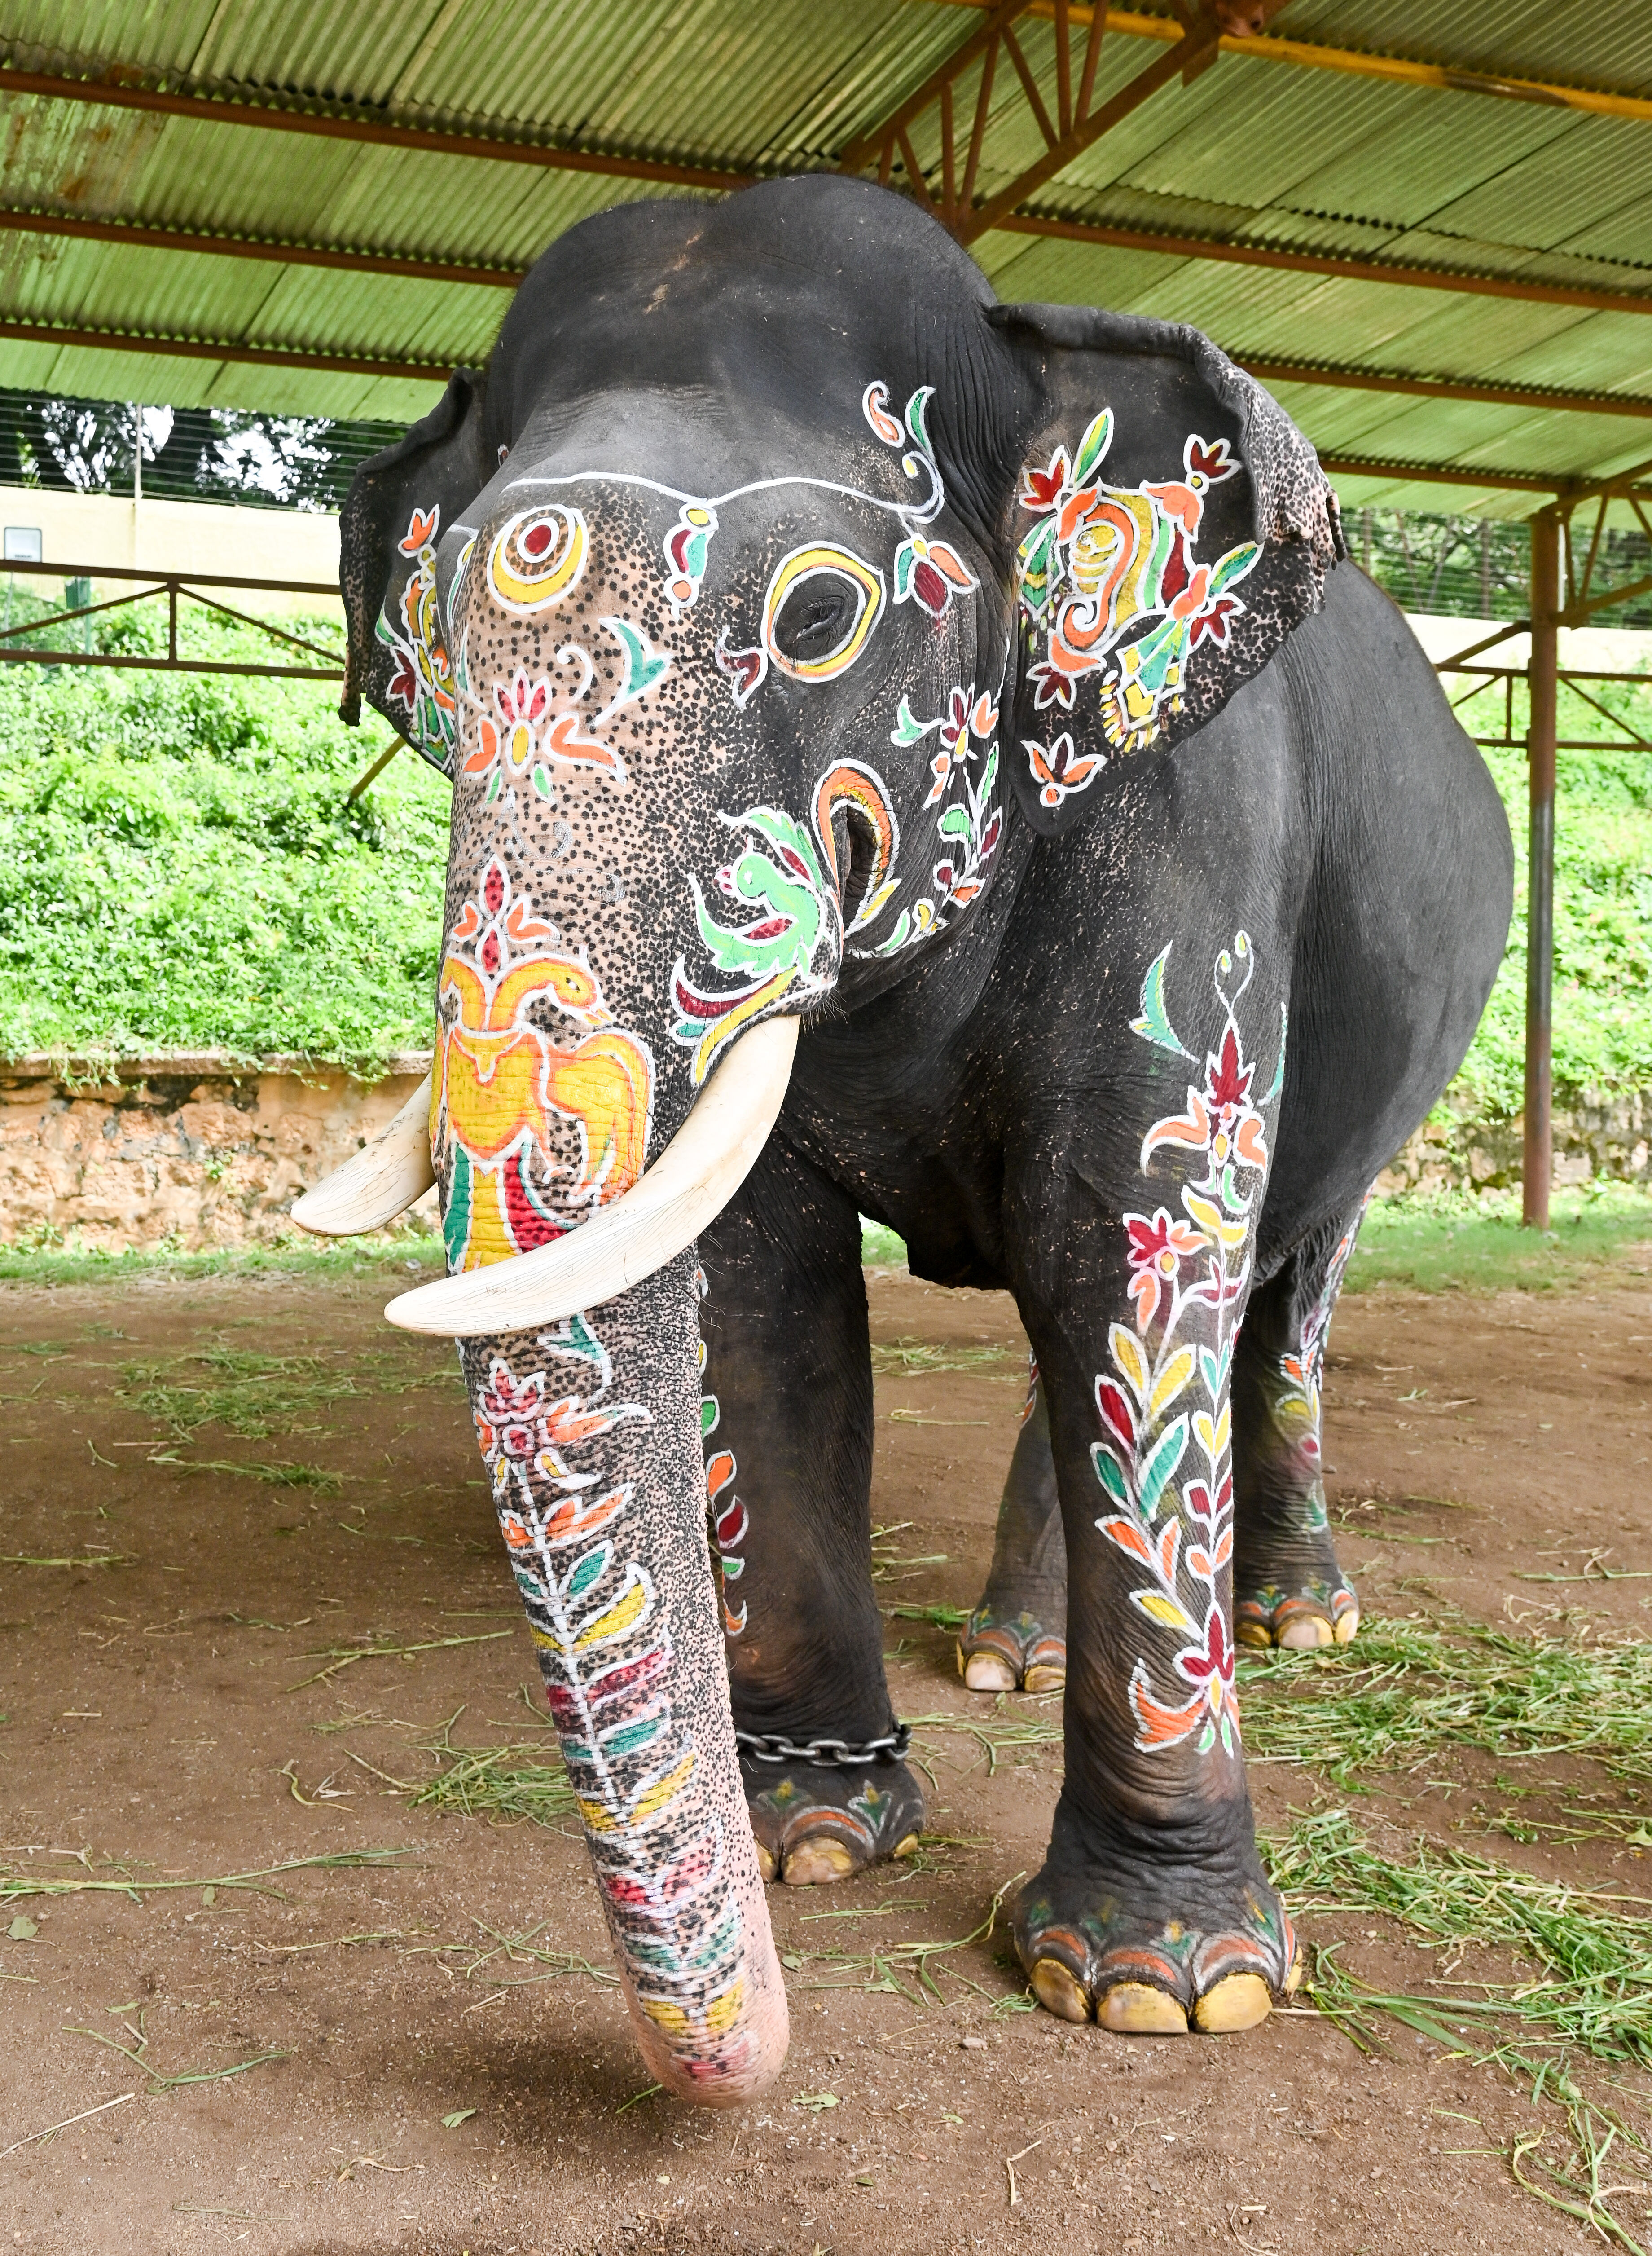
[(613, 1620), (537, 557), (1174, 1378), (840, 563), (718, 2019), (724, 1029), (654, 1798), (1163, 1610)]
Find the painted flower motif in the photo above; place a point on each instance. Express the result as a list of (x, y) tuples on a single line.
[(1059, 770), (931, 574), (1212, 1664), (1050, 686), (1042, 489), (1157, 1248)]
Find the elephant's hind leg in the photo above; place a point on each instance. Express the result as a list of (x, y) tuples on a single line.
[(1016, 1639), (787, 1418), (1287, 1587)]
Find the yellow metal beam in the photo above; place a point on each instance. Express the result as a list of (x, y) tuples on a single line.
[(1400, 70)]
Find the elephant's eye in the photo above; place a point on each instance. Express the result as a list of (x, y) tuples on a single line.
[(822, 605)]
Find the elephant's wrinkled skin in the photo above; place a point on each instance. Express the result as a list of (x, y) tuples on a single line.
[(805, 634)]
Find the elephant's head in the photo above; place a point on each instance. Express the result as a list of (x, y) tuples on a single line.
[(769, 581)]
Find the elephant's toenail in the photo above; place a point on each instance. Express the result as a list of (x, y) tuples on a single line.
[(1347, 1626), (1238, 2001), (1045, 1677), (816, 1860), (766, 1863), (1137, 2009), (1293, 1980), (989, 1672), (1305, 1633), (906, 1848), (1253, 1632), (1057, 1989)]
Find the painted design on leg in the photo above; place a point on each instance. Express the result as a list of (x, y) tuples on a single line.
[(1265, 1617), (1189, 1273), (503, 1084), (605, 1653), (729, 1524), (1109, 579), (422, 683)]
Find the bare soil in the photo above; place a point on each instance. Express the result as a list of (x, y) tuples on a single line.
[(166, 1712)]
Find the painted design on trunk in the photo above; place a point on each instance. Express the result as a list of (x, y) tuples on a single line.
[(605, 1651), (792, 946), (503, 1083), (524, 733), (687, 549), (422, 683), (1165, 1403), (729, 1524), (1108, 577), (538, 558)]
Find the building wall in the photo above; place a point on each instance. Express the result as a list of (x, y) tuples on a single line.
[(183, 536)]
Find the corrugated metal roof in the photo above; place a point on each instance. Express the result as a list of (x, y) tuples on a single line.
[(1320, 161)]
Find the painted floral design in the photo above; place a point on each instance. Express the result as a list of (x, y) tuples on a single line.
[(605, 1652), (971, 820), (422, 680), (1166, 1459), (503, 1083), (729, 1524), (1109, 579)]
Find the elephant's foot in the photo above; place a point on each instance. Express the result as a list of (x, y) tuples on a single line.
[(815, 1824), (1155, 1955), (1315, 1611), (1014, 1653)]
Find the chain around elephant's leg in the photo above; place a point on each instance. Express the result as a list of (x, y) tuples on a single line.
[(1152, 1911), (786, 1415), (1289, 1589), (1016, 1639)]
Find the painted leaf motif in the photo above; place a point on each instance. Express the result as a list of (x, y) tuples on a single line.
[(587, 1571), (659, 1791), (1116, 1413), (1128, 1359), (630, 1607), (1213, 1368), (1170, 1549), (631, 1738), (1172, 1379), (1211, 1219), (1093, 447), (1109, 1473), (1159, 1466), (1161, 1608), (1154, 1024), (708, 1413), (1214, 1434), (1128, 1537), (905, 561)]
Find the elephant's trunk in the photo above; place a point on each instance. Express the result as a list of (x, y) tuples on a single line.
[(592, 1431)]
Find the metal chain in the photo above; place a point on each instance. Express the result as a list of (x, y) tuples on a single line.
[(775, 1747)]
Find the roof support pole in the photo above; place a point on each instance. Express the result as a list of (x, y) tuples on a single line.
[(1537, 1166)]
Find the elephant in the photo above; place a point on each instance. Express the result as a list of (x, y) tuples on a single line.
[(925, 758)]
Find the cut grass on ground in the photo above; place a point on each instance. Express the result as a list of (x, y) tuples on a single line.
[(78, 1265)]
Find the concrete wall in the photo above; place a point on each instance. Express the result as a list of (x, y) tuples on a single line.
[(188, 1150), (1603, 1136), (181, 536)]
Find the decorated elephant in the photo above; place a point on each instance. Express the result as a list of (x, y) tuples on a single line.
[(921, 757)]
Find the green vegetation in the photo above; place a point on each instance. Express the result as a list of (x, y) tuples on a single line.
[(179, 868), (1444, 1241), (391, 1261)]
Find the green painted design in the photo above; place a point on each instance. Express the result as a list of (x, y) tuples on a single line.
[(1154, 1024)]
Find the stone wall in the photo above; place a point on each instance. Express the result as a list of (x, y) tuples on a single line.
[(188, 1150), (1601, 1136)]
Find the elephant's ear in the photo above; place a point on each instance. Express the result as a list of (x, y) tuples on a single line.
[(1170, 526), (398, 506)]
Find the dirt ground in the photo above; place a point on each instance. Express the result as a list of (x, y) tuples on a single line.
[(168, 1712)]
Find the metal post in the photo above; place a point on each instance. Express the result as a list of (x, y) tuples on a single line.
[(1538, 1160)]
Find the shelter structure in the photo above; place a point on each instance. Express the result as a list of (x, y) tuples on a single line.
[(1428, 230)]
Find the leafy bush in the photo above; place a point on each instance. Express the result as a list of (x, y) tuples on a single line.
[(179, 868)]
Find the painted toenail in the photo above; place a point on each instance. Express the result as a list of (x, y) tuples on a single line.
[(989, 1672), (1045, 1677), (1306, 1632), (1253, 1632), (906, 1848), (1346, 1626), (1293, 1980), (766, 1863), (1239, 2001), (1138, 2009), (817, 1860), (1057, 1988)]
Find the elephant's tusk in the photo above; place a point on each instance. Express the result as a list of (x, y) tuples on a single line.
[(380, 1182), (689, 1183)]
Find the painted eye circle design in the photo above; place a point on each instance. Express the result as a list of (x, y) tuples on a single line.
[(537, 557), (821, 607)]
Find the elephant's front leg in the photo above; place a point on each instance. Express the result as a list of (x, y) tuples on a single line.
[(787, 1413), (1152, 1911)]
